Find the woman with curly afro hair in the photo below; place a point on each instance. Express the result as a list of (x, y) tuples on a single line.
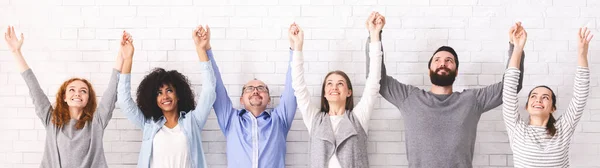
[(170, 119), (75, 124)]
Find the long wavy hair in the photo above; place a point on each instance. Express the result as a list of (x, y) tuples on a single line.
[(61, 114)]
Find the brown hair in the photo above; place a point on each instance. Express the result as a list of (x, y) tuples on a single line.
[(550, 128), (349, 100), (61, 115)]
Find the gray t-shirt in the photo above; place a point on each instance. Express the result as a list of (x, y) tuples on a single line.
[(440, 129), (69, 147)]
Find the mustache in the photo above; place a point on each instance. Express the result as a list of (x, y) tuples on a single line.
[(257, 95), (442, 68)]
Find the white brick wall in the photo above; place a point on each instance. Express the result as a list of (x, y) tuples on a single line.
[(67, 38)]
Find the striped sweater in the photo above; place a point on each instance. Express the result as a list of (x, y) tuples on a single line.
[(531, 146)]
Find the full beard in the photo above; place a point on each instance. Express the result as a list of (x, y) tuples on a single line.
[(442, 80)]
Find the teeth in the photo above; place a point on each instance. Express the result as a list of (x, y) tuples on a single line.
[(77, 100), (335, 93), (166, 102)]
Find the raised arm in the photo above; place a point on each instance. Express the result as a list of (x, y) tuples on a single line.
[(288, 101), (490, 96), (43, 108), (223, 107), (208, 95), (128, 106), (581, 88), (308, 110), (391, 89), (109, 98), (510, 111), (364, 108)]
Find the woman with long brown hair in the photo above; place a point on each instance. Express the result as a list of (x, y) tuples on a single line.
[(75, 125), (338, 129)]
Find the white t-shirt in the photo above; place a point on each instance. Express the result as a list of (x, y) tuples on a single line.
[(170, 149)]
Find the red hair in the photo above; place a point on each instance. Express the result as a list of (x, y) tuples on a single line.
[(61, 115)]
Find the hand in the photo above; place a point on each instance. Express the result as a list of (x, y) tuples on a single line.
[(585, 36), (511, 31), (201, 37), (127, 49), (519, 36), (296, 36), (375, 24), (14, 44)]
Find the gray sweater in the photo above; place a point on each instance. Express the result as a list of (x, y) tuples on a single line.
[(69, 147), (440, 129)]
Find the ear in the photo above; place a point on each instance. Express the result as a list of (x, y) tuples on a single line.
[(241, 100), (349, 93)]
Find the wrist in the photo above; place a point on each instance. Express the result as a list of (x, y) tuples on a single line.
[(518, 47), (18, 51), (199, 48)]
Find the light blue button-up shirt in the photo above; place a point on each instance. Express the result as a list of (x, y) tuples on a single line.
[(191, 122), (255, 142)]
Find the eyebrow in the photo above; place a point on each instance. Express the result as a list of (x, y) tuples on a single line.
[(542, 94), (79, 88), (441, 56)]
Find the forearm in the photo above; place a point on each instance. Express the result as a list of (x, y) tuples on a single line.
[(201, 52), (582, 60), (515, 58), (126, 68), (21, 63)]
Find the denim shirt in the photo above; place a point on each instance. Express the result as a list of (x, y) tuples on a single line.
[(191, 122)]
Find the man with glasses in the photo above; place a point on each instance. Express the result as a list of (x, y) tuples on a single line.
[(256, 137)]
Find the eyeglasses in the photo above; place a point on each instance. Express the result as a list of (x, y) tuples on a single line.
[(249, 89)]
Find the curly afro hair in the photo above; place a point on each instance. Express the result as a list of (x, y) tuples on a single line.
[(148, 91)]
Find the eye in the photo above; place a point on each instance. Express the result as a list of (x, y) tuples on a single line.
[(329, 83), (532, 96), (169, 90), (546, 97), (71, 90), (159, 92), (340, 84), (83, 91)]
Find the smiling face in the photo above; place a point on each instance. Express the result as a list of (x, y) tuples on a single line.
[(77, 94), (167, 98), (442, 70), (255, 94), (336, 89), (541, 102)]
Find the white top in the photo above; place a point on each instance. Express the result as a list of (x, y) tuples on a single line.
[(362, 110), (531, 145), (170, 149)]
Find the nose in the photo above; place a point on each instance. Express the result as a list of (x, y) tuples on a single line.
[(163, 96)]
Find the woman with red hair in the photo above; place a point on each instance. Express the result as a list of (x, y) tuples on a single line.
[(75, 125)]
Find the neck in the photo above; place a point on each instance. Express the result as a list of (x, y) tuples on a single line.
[(336, 108), (538, 120), (171, 117), (256, 110), (441, 90), (75, 113)]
